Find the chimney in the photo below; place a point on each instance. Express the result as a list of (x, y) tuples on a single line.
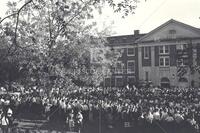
[(136, 32)]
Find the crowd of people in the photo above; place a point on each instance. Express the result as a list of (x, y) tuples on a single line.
[(127, 109)]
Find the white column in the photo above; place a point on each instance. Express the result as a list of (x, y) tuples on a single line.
[(140, 63)]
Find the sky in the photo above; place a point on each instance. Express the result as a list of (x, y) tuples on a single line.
[(148, 15)]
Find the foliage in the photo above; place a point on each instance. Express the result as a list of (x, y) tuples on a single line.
[(47, 42)]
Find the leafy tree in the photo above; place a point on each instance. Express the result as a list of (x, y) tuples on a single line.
[(49, 42)]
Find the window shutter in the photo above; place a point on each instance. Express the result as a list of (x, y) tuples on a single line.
[(156, 55), (198, 54), (173, 55)]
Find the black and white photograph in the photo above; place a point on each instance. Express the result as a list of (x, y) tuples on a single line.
[(99, 66)]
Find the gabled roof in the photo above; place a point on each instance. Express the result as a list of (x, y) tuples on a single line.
[(165, 24)]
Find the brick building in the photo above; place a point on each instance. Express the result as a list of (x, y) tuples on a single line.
[(126, 70), (166, 56)]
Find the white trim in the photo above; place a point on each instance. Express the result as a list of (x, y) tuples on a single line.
[(166, 24), (130, 61), (124, 47), (131, 54), (122, 68), (164, 61), (164, 49), (173, 42)]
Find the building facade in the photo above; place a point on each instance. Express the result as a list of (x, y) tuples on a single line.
[(126, 69), (166, 56)]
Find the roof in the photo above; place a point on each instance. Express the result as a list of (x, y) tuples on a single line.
[(165, 24), (123, 39), (133, 39)]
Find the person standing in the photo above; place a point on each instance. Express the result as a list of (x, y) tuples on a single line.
[(10, 118), (4, 123), (71, 123), (79, 120)]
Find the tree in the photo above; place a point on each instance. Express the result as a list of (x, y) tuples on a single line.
[(50, 41)]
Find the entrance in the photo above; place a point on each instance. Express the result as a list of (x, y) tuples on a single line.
[(165, 82)]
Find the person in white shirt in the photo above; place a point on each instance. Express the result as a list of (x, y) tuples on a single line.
[(79, 120), (10, 116), (156, 114), (4, 123), (1, 114), (9, 112), (150, 117)]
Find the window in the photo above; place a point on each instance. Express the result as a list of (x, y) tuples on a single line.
[(167, 61), (164, 49), (161, 61), (131, 51), (164, 61), (182, 47), (146, 52), (147, 76), (183, 62), (131, 67), (107, 82), (119, 81), (172, 31), (172, 34), (119, 67), (131, 80)]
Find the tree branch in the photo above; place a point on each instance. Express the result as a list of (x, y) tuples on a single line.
[(8, 17), (75, 15), (16, 27), (16, 12)]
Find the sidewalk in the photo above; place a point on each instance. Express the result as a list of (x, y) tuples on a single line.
[(36, 126)]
